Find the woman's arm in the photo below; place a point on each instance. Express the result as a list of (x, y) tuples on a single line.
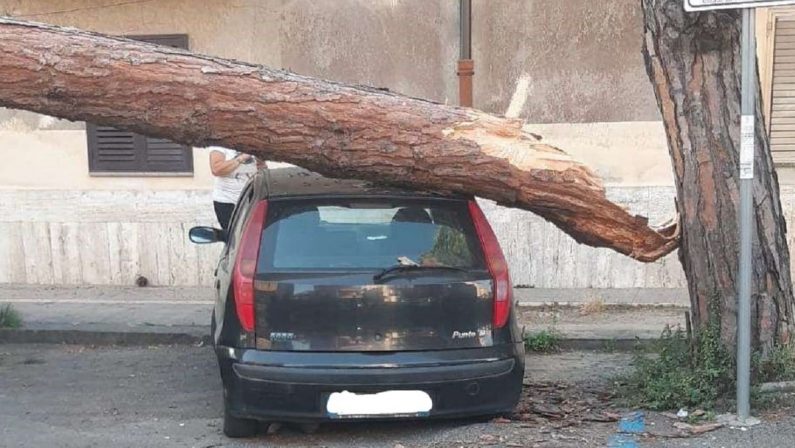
[(221, 167)]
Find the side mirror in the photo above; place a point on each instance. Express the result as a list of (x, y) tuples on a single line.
[(206, 235)]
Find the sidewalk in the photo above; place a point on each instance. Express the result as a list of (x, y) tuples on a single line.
[(109, 315), (105, 315)]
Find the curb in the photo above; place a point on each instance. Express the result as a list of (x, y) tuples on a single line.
[(99, 338)]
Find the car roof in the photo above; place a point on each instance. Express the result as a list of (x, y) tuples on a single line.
[(291, 181)]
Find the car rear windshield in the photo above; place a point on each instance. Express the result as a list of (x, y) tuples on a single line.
[(307, 235)]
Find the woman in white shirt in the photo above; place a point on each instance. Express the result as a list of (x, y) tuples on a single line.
[(232, 169)]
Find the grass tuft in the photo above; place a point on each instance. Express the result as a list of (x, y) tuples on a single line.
[(544, 341), (9, 317)]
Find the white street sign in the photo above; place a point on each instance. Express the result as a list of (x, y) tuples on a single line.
[(704, 5), (747, 147)]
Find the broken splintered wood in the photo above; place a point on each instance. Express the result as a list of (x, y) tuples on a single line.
[(331, 128)]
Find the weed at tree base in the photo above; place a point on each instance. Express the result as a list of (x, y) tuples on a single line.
[(681, 374), (778, 365)]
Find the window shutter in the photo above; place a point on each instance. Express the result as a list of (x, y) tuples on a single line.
[(111, 149), (114, 150), (166, 156), (782, 109)]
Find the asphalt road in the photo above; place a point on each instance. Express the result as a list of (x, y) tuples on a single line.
[(70, 396)]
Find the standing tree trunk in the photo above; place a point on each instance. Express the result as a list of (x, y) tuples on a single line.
[(336, 130), (693, 60)]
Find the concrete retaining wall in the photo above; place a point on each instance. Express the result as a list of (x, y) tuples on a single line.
[(104, 237)]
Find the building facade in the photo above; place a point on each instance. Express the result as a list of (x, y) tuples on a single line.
[(87, 205)]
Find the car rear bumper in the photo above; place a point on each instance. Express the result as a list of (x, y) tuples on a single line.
[(293, 386)]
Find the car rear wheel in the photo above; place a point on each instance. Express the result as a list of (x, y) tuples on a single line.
[(239, 427)]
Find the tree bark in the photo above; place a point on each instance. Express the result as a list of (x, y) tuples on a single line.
[(693, 61), (330, 128)]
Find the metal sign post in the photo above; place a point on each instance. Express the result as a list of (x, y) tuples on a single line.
[(747, 150), (747, 138)]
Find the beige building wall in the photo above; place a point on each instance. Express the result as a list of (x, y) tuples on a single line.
[(573, 70), (567, 59), (44, 153), (409, 46)]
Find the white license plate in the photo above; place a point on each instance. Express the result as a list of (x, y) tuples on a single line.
[(389, 403)]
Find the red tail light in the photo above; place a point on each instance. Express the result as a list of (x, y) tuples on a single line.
[(497, 265), (246, 266)]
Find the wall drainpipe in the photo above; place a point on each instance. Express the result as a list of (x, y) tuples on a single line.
[(466, 66)]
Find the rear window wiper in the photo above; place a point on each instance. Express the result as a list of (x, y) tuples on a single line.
[(399, 268)]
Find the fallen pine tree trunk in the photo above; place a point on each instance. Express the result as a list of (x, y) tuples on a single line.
[(334, 129)]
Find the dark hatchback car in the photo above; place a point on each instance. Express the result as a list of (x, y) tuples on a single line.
[(340, 300)]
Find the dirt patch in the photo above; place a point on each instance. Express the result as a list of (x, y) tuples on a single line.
[(584, 368)]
